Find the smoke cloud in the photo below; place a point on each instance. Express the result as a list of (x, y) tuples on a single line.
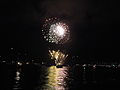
[(69, 9)]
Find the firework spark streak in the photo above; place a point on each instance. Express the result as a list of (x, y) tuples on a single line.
[(58, 56), (55, 31)]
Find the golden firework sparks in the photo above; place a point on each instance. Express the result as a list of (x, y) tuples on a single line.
[(58, 56)]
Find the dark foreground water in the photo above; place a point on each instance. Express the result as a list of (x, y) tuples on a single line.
[(33, 77)]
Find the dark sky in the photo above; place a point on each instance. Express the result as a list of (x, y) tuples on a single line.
[(94, 25)]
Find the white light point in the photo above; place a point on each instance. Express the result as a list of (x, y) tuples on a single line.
[(60, 30)]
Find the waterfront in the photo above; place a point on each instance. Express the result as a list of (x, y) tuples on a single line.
[(41, 77)]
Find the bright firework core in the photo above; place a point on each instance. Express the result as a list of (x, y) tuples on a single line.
[(55, 31), (60, 31)]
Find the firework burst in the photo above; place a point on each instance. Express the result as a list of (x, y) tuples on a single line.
[(58, 56), (55, 31)]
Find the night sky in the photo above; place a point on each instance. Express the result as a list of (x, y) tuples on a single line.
[(94, 25)]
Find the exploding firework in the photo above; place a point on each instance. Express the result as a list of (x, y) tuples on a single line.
[(58, 56), (55, 31)]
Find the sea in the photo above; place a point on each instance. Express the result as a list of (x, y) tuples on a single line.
[(42, 77)]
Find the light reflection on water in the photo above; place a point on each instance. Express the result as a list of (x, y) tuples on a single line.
[(17, 83), (56, 78), (53, 78)]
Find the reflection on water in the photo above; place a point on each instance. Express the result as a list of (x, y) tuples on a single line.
[(56, 78), (32, 77), (17, 83), (84, 75)]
